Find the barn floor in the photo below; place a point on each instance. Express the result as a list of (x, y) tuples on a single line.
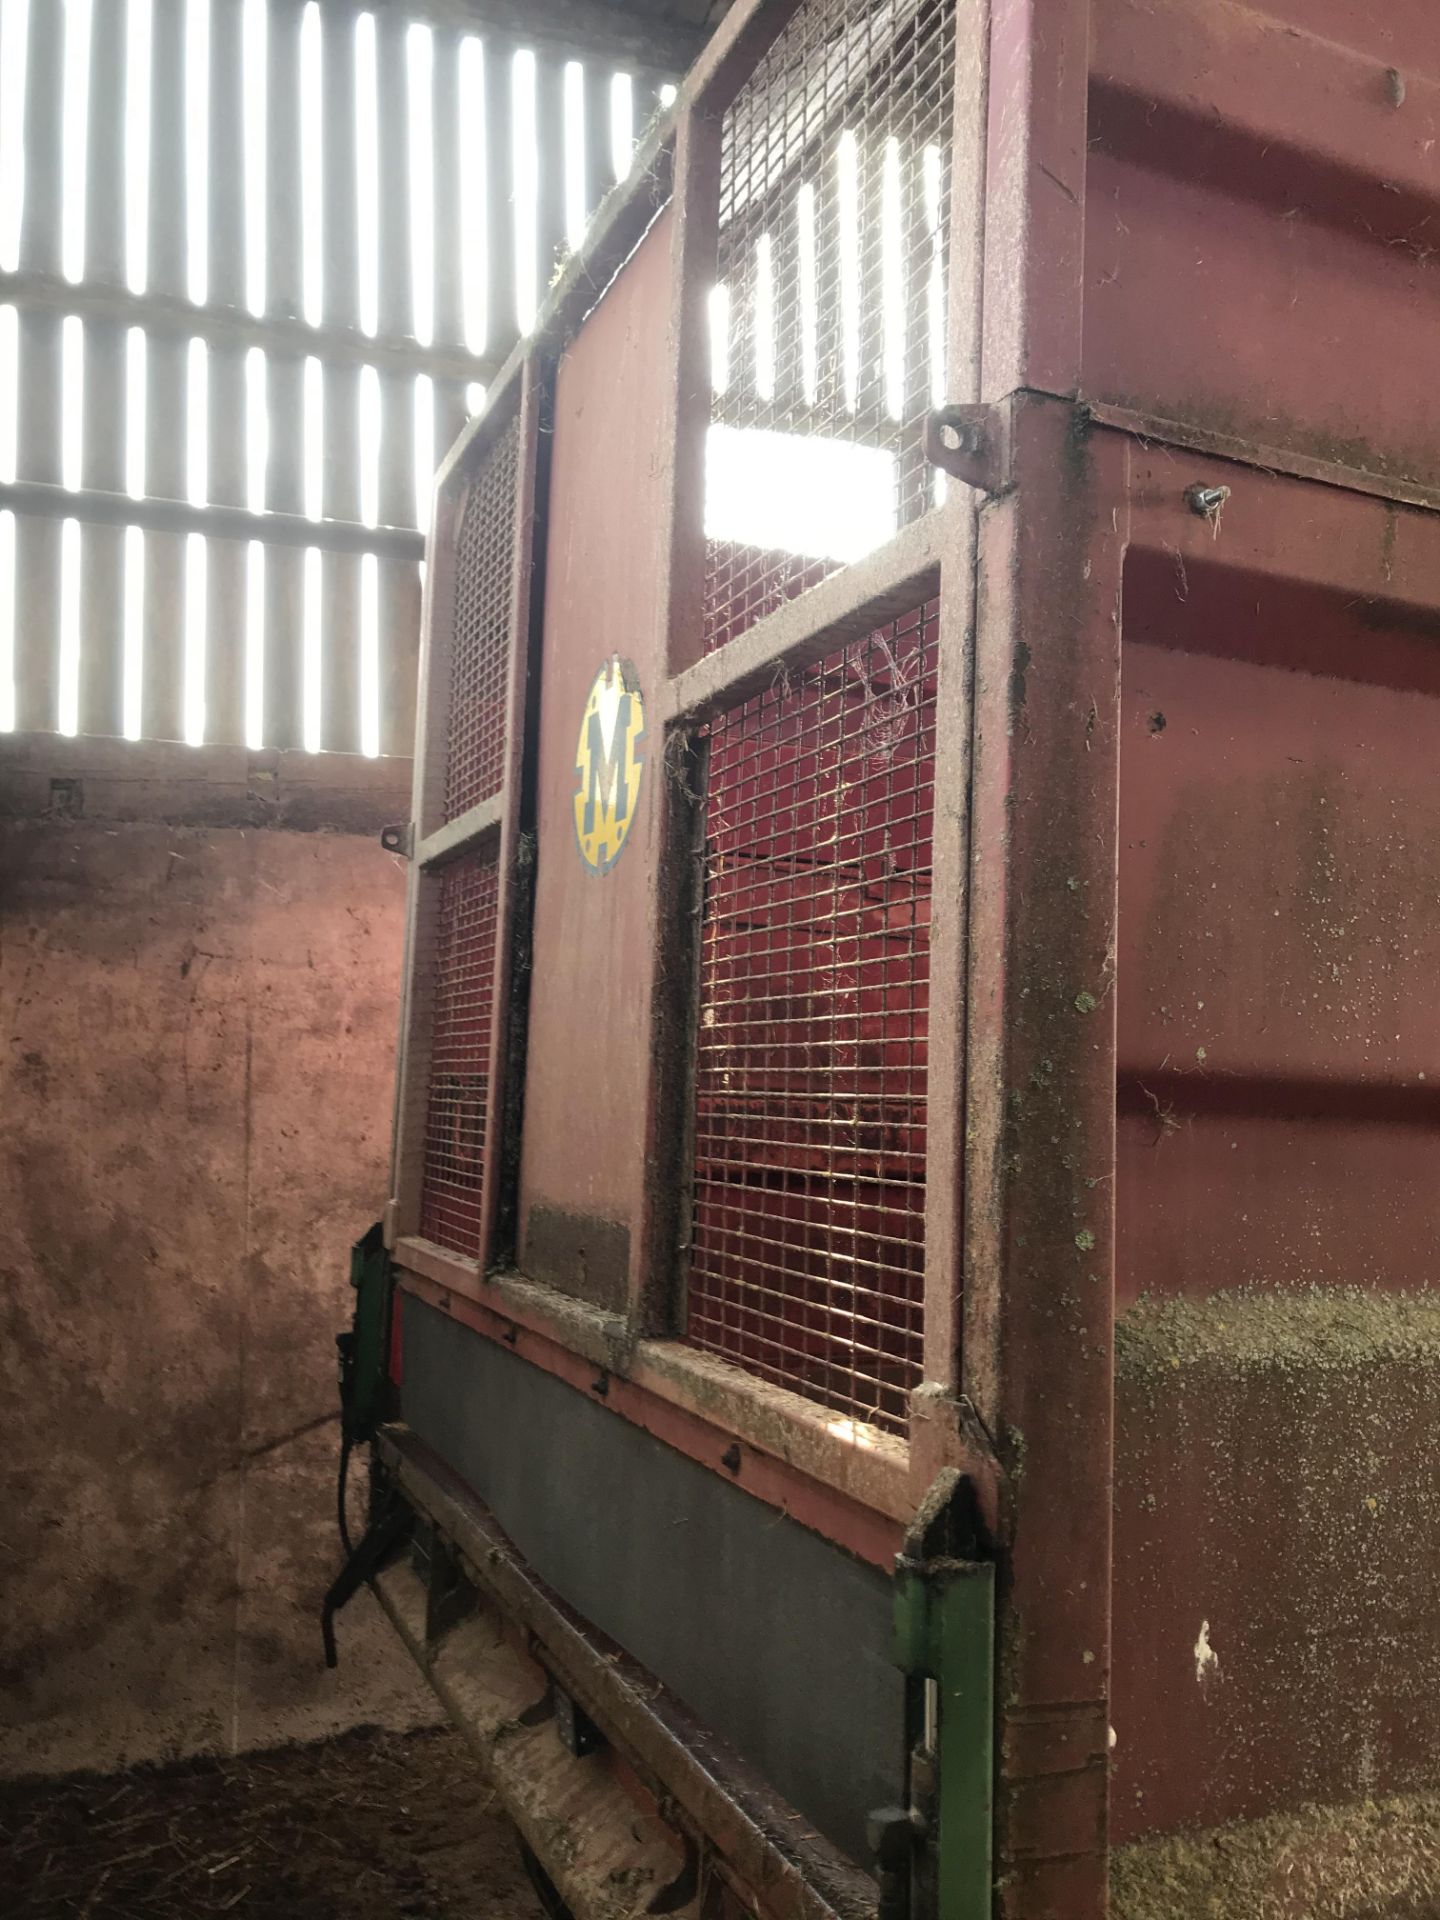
[(365, 1827)]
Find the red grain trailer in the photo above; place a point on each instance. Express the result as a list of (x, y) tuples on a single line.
[(914, 1203)]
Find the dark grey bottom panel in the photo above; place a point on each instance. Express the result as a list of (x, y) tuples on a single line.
[(776, 1639)]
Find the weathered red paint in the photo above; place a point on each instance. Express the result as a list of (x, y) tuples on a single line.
[(1260, 209), (1277, 1055), (1187, 1037), (1040, 1121), (588, 1059)]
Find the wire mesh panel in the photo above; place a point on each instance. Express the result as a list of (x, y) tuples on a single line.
[(808, 1229), (471, 900), (463, 973), (829, 315), (484, 615)]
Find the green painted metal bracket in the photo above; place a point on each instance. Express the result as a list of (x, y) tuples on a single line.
[(365, 1397), (364, 1383), (945, 1634)]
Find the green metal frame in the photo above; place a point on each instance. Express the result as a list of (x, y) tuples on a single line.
[(364, 1383), (945, 1634), (366, 1397)]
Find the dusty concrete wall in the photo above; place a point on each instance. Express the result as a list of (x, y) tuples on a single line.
[(196, 1073)]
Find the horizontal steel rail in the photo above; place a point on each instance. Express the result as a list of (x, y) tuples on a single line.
[(846, 606), (457, 835)]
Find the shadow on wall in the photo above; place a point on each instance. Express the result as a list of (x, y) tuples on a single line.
[(197, 1072)]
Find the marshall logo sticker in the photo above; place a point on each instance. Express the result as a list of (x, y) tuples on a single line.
[(608, 765)]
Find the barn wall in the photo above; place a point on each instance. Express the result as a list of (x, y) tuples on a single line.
[(199, 979)]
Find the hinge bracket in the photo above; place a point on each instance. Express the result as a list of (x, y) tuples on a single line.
[(973, 444)]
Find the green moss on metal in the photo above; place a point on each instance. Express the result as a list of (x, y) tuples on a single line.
[(1313, 1410), (1372, 1860), (1311, 1329)]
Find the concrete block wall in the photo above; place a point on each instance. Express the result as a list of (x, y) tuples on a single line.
[(199, 978)]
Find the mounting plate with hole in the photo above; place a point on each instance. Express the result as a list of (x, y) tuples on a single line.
[(971, 443)]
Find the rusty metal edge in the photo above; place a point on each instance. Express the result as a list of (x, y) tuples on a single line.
[(1038, 1296), (1032, 260), (947, 997), (657, 1278), (796, 1874), (742, 38), (1256, 453), (507, 1023)]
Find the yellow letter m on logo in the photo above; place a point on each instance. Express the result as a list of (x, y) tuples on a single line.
[(608, 764)]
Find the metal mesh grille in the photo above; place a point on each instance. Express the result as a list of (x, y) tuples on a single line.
[(480, 662), (829, 319), (463, 970), (808, 1231)]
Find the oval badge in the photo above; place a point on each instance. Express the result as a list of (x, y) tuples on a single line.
[(608, 766)]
